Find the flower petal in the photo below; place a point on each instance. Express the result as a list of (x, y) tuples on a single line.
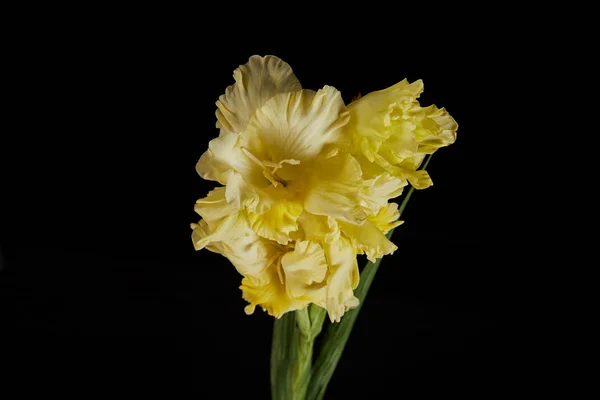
[(226, 228), (214, 206), (368, 239), (225, 154), (268, 291), (376, 191), (255, 82), (437, 130), (274, 215), (371, 116), (391, 129), (387, 218), (334, 189), (343, 278), (248, 252), (318, 228), (297, 125), (304, 268), (418, 179)]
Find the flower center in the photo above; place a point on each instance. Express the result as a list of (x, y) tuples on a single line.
[(269, 168)]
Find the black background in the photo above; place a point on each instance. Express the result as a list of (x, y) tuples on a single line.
[(101, 288)]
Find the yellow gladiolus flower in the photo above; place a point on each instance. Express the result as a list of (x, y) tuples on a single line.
[(306, 183), (391, 130)]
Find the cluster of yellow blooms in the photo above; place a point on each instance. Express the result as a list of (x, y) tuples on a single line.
[(307, 182)]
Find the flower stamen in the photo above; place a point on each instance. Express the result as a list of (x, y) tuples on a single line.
[(271, 176)]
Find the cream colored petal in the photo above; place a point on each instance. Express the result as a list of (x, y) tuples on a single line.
[(368, 239), (268, 291), (418, 179), (376, 191), (248, 252), (413, 163), (387, 218), (392, 130), (343, 278), (304, 268), (217, 231), (318, 228), (275, 214), (255, 82), (401, 143), (225, 154), (215, 207), (438, 129), (371, 116), (334, 189), (239, 191), (297, 125), (221, 221)]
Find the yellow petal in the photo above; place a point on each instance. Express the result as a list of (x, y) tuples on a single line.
[(368, 239), (391, 129), (248, 252), (268, 291), (297, 125), (220, 230), (371, 121), (274, 215), (305, 268), (239, 191), (387, 218), (418, 179), (438, 130), (255, 82), (334, 189), (376, 191), (214, 206), (343, 278), (225, 154), (318, 228)]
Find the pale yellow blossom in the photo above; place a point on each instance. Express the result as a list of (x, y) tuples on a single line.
[(307, 183)]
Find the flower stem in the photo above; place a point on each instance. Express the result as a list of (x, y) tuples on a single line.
[(291, 352), (283, 356), (337, 334)]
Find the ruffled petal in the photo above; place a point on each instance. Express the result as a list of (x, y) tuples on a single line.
[(368, 240), (297, 125), (214, 206), (334, 189), (438, 129), (376, 191), (318, 228), (225, 154), (304, 269), (248, 252), (274, 215), (387, 218), (268, 291), (226, 228), (371, 116), (418, 179), (343, 278), (392, 130), (255, 82)]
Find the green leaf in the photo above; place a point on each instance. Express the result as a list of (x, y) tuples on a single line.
[(337, 334)]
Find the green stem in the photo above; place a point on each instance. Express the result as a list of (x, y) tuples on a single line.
[(305, 351), (283, 356), (338, 334), (291, 352)]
